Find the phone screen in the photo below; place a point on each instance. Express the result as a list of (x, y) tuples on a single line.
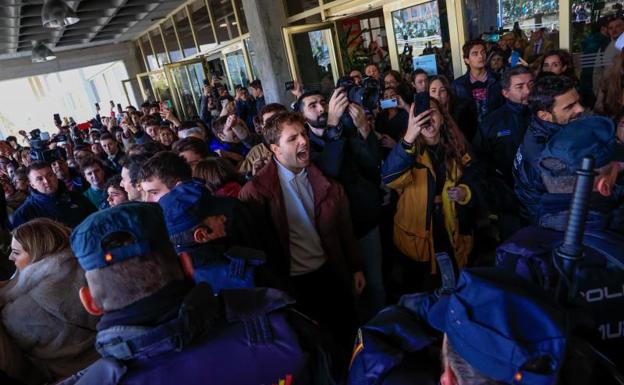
[(421, 99), (515, 58), (388, 103)]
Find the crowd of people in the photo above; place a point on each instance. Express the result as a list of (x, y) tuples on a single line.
[(248, 246)]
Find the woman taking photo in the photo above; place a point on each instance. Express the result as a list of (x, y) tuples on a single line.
[(41, 309), (431, 171)]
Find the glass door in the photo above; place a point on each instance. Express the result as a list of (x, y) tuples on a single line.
[(237, 65), (425, 34), (147, 91), (312, 56), (129, 87), (187, 80)]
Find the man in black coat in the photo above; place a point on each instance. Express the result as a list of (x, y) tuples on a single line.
[(497, 142)]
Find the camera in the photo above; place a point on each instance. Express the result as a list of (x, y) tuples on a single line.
[(38, 148), (366, 94)]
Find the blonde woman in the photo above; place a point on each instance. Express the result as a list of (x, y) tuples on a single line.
[(41, 309)]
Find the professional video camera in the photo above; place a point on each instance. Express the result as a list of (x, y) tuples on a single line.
[(39, 151)]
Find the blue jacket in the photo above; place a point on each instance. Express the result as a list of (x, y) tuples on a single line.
[(183, 335), (67, 207), (462, 88), (391, 348), (529, 186)]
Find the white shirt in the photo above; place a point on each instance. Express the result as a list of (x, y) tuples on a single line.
[(306, 251)]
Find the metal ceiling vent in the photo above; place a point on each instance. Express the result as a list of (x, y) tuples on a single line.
[(41, 53), (57, 14)]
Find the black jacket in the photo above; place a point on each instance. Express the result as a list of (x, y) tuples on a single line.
[(355, 162), (462, 88), (496, 144)]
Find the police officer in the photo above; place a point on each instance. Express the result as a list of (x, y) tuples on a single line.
[(598, 278), (497, 329), (158, 327), (496, 144), (197, 227)]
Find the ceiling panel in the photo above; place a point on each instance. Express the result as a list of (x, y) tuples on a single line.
[(101, 21)]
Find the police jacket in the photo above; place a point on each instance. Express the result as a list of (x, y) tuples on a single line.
[(344, 155), (462, 88), (496, 144), (186, 335), (67, 207), (527, 176)]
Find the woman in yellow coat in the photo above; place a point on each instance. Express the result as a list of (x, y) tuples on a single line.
[(431, 170)]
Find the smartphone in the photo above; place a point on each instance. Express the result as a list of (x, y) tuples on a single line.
[(491, 37), (169, 105), (206, 82), (44, 136), (112, 104), (290, 85), (57, 119), (97, 106), (515, 58), (388, 103), (119, 109), (422, 103)]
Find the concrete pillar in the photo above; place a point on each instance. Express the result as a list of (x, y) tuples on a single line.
[(265, 19)]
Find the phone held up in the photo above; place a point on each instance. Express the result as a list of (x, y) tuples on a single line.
[(515, 58), (422, 102), (388, 103), (289, 85)]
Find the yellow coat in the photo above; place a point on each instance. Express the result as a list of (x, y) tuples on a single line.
[(412, 229)]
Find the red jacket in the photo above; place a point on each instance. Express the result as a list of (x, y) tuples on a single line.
[(263, 195)]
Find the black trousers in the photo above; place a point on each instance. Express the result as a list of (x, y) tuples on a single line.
[(327, 297)]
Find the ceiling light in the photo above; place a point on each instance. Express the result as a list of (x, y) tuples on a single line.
[(57, 14), (41, 53)]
